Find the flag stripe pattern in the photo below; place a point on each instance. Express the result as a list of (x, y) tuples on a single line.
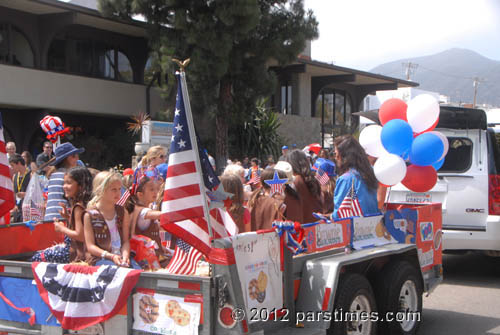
[(184, 260), (183, 200), (182, 197), (123, 198), (6, 186), (322, 176), (80, 296), (350, 206)]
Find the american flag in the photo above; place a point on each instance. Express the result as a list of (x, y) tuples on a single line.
[(34, 211), (166, 239), (184, 260), (277, 184), (6, 187), (123, 198), (255, 177), (322, 176), (185, 186), (350, 205)]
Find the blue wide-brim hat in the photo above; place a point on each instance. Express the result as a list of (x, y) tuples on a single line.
[(65, 150), (326, 165)]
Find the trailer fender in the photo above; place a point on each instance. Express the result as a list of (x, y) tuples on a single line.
[(320, 279)]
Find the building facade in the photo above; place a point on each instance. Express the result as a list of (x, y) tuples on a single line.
[(61, 59), (316, 100)]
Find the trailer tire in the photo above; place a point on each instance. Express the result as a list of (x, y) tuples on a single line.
[(399, 292), (354, 293)]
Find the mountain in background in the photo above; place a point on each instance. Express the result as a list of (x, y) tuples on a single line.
[(452, 73)]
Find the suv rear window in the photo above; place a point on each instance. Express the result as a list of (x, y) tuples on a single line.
[(459, 157)]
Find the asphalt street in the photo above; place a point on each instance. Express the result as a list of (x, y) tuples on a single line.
[(468, 300)]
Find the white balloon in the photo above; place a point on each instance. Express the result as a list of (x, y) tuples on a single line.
[(444, 139), (422, 112), (390, 169), (369, 138)]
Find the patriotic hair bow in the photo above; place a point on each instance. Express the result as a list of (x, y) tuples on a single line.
[(293, 234), (140, 174), (53, 127)]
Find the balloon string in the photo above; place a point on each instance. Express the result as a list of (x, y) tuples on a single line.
[(387, 197)]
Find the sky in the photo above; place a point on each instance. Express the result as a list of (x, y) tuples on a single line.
[(362, 34)]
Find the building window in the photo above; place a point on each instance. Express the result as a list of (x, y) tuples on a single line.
[(334, 107), (14, 47), (89, 58), (286, 98)]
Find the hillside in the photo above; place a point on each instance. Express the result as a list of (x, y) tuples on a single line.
[(451, 73)]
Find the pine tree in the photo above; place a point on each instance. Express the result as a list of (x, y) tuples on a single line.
[(230, 43)]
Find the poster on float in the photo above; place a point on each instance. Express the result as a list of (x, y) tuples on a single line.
[(258, 260), (370, 231), (165, 314)]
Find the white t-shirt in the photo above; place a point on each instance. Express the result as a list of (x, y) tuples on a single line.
[(116, 241), (143, 223)]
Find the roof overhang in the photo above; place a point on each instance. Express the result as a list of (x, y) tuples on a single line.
[(324, 74), (82, 15)]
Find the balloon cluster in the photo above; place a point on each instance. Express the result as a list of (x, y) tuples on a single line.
[(407, 135), (53, 127)]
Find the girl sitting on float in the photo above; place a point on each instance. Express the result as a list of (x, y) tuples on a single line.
[(145, 221), (77, 188), (107, 225)]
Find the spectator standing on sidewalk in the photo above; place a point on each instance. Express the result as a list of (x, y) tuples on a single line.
[(46, 155), (10, 147), (28, 159), (21, 179)]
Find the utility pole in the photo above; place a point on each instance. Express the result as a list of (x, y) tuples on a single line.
[(410, 69), (475, 84)]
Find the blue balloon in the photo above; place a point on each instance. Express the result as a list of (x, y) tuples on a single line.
[(397, 137), (426, 149), (438, 164)]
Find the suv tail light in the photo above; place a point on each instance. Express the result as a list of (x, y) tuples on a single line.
[(494, 195)]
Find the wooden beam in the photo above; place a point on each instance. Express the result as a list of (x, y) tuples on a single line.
[(293, 68), (327, 80)]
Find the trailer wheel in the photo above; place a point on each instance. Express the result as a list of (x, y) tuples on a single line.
[(399, 296), (354, 303)]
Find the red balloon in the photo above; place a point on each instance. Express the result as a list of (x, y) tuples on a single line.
[(392, 109), (420, 178)]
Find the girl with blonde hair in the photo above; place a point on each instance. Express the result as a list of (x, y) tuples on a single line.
[(155, 156), (107, 225)]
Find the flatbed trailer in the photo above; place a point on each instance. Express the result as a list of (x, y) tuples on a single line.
[(358, 276)]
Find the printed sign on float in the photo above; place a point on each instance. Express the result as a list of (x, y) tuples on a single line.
[(370, 231), (258, 260), (165, 314)]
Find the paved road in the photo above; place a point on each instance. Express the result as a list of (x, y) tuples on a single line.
[(468, 300)]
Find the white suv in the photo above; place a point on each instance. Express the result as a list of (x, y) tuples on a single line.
[(468, 184)]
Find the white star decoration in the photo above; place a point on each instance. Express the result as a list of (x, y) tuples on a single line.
[(177, 111), (178, 127), (181, 144), (210, 179), (173, 138)]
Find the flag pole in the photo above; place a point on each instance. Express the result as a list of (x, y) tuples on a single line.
[(194, 144)]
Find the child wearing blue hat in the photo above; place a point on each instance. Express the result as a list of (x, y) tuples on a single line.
[(66, 157)]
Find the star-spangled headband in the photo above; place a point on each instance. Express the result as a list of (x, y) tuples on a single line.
[(140, 173), (276, 183)]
